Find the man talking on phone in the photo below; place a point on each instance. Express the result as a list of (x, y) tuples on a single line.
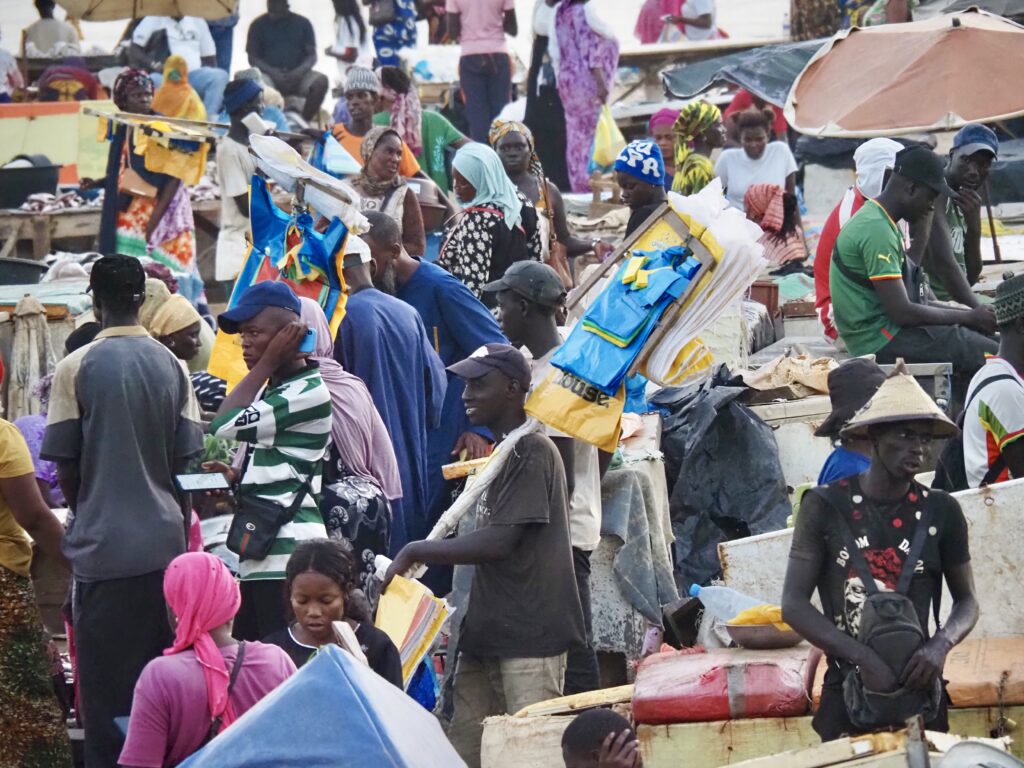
[(282, 410)]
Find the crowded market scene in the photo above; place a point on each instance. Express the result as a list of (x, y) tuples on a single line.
[(506, 383)]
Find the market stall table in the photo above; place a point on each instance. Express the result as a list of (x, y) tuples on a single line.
[(44, 230)]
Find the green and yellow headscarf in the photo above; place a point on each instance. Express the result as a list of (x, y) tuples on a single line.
[(693, 171)]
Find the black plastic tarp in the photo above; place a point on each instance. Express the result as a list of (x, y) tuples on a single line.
[(725, 479), (767, 72)]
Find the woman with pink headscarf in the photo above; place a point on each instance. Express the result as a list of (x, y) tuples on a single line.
[(205, 680)]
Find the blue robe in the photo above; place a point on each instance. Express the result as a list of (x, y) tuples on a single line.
[(382, 341), (457, 324)]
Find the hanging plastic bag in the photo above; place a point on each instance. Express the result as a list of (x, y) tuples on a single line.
[(578, 408), (608, 140)]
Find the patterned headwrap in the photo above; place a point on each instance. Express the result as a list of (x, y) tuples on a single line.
[(695, 118), (502, 128), (129, 82), (1009, 303), (764, 205), (375, 187), (406, 116)]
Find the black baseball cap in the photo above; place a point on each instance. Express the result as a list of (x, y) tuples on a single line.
[(494, 357), (533, 281), (920, 164)]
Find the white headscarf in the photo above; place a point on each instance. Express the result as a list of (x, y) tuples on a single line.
[(872, 159)]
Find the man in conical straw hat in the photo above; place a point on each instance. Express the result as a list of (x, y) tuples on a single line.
[(907, 538)]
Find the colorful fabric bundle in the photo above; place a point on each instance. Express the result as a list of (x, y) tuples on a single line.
[(614, 329), (289, 249)]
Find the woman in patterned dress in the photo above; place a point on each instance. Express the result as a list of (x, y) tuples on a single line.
[(497, 227), (586, 55), (32, 730)]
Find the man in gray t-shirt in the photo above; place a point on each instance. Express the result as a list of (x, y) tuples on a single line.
[(122, 420)]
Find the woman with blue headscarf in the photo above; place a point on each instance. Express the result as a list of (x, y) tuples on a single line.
[(497, 227)]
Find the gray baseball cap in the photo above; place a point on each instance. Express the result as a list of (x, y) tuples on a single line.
[(533, 281)]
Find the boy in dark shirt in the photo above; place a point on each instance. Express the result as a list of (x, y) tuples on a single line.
[(880, 511), (524, 609)]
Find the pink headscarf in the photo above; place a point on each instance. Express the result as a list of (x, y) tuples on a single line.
[(357, 429), (664, 116), (204, 595)]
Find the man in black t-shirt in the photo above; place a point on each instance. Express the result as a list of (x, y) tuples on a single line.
[(524, 609), (282, 46), (879, 512)]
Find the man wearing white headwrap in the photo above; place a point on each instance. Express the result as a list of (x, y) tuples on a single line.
[(872, 160)]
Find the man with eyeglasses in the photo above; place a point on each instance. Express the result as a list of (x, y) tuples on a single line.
[(882, 532)]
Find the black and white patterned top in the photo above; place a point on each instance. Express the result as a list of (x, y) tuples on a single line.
[(479, 246)]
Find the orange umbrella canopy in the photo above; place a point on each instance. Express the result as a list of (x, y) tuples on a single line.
[(926, 75), (113, 10)]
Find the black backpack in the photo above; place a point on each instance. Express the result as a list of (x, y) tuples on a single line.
[(889, 626), (950, 472)]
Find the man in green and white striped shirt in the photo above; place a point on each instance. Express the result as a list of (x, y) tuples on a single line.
[(287, 428)]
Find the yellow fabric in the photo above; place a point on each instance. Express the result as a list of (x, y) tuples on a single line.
[(634, 266), (15, 461), (579, 409), (157, 294), (762, 614), (161, 158), (175, 97), (176, 314), (397, 618)]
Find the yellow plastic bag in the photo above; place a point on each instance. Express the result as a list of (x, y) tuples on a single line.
[(608, 139), (577, 408)]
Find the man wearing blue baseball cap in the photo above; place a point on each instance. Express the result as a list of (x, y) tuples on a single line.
[(953, 258), (640, 174), (282, 410)]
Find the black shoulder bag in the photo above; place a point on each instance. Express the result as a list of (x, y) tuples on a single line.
[(215, 723), (257, 522), (890, 627)]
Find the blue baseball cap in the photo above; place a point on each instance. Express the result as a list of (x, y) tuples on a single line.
[(975, 137), (255, 299)]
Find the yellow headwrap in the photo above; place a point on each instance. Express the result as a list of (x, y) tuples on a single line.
[(176, 314)]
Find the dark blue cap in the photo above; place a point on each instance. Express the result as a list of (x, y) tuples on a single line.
[(257, 298), (975, 137)]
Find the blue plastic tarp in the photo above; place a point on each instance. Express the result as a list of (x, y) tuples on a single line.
[(333, 713)]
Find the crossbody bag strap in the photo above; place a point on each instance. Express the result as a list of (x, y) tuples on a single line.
[(842, 505), (215, 723), (837, 262), (916, 545)]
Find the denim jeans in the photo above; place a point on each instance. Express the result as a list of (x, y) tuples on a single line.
[(209, 83), (486, 80), (223, 33)]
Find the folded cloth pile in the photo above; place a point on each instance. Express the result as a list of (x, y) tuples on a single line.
[(680, 358)]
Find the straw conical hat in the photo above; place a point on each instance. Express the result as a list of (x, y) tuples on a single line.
[(900, 398)]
